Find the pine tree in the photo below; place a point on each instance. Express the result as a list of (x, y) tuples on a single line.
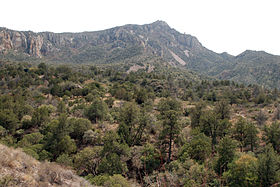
[(170, 110)]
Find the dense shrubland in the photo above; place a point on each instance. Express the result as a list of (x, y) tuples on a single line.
[(159, 128)]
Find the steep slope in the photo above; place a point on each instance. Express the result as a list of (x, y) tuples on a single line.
[(111, 45), (20, 169)]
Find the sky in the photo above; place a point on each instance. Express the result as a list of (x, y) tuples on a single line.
[(231, 26)]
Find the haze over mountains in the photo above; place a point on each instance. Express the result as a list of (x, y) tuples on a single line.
[(141, 44)]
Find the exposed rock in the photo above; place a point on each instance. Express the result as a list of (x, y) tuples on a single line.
[(135, 68), (177, 58), (110, 45), (35, 46), (187, 53), (5, 41)]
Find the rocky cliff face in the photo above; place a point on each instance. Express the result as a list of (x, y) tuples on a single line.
[(109, 45), (26, 42)]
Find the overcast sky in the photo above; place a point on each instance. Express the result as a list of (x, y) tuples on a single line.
[(220, 25)]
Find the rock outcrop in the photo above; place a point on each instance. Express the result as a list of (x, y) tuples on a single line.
[(110, 45)]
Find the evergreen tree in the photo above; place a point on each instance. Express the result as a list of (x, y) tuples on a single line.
[(272, 135), (78, 127), (226, 151), (195, 114), (198, 148), (98, 110), (57, 138), (222, 109), (268, 167), (129, 122), (9, 120), (251, 136), (239, 132), (212, 125), (170, 110), (112, 155)]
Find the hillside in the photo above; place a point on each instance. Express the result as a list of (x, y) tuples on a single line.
[(255, 67), (130, 129), (20, 169)]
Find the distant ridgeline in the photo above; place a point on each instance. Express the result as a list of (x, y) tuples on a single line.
[(140, 45)]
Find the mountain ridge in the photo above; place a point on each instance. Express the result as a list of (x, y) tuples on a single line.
[(134, 43)]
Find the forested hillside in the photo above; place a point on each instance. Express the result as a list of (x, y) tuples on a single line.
[(166, 127)]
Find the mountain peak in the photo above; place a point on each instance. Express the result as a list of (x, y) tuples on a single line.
[(160, 23), (252, 53)]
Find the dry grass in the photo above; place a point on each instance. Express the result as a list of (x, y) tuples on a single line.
[(20, 169)]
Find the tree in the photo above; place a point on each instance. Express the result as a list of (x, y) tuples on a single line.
[(87, 160), (42, 67), (61, 107), (210, 126), (133, 123), (150, 158), (251, 136), (129, 120), (41, 115), (261, 98), (239, 132), (30, 139), (199, 147), (57, 138), (117, 180), (141, 96), (98, 110), (268, 167), (109, 181), (226, 151), (213, 126), (65, 159), (78, 127), (222, 109), (243, 171), (111, 154), (170, 110), (195, 115), (8, 120), (275, 94), (272, 135), (57, 90), (66, 145)]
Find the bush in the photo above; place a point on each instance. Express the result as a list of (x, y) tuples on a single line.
[(109, 181), (98, 110), (65, 159)]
